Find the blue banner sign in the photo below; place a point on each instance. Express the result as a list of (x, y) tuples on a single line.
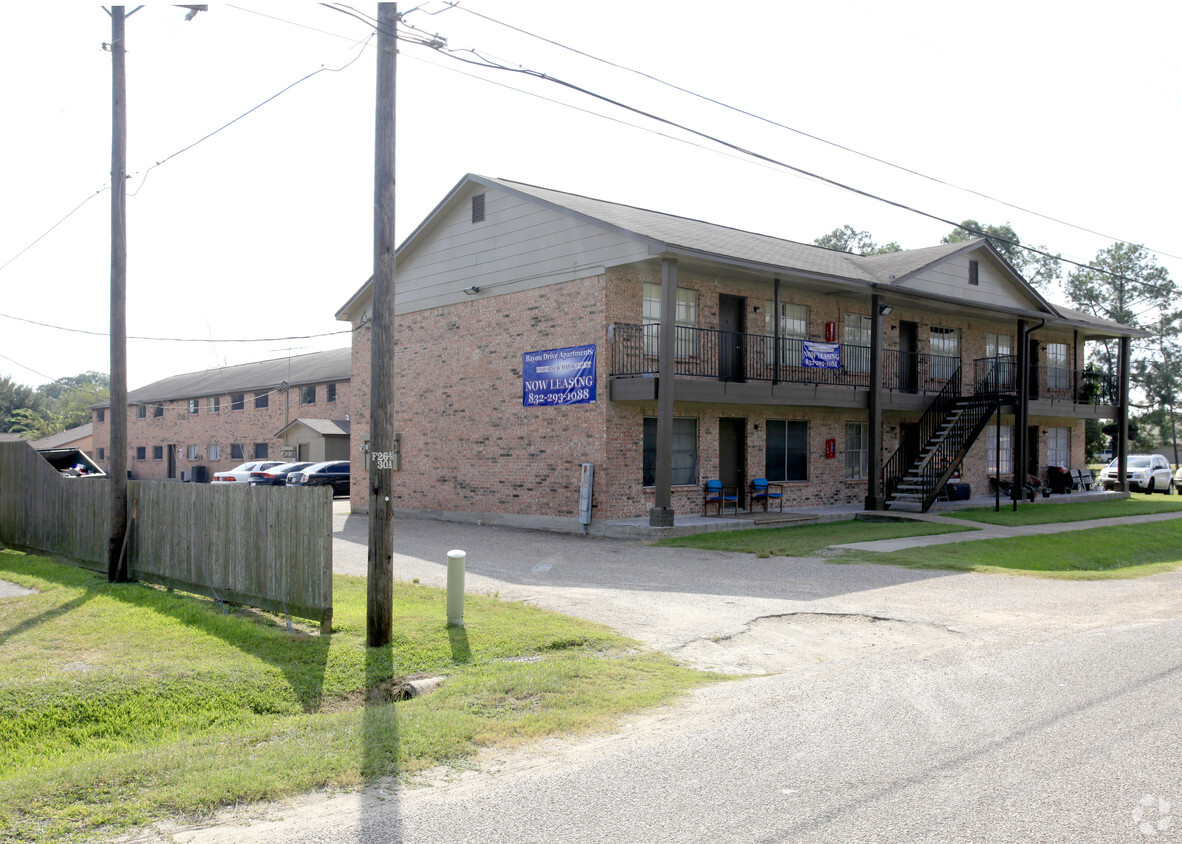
[(822, 355), (558, 376)]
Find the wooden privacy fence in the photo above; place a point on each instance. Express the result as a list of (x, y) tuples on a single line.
[(268, 547)]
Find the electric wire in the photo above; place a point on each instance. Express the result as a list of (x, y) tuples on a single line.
[(76, 209), (181, 339), (452, 4)]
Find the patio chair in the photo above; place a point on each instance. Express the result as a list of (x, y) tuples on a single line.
[(716, 493), (766, 492)]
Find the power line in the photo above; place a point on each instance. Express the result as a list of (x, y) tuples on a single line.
[(58, 381), (76, 209), (452, 4), (180, 339)]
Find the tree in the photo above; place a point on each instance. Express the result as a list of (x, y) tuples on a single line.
[(70, 398), (848, 239), (1041, 270), (13, 397)]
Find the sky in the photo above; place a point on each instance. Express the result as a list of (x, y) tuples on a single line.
[(263, 230)]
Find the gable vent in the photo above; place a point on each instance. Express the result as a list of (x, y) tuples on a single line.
[(974, 273), (478, 208)]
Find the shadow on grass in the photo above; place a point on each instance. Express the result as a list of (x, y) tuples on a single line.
[(302, 660), (460, 651)]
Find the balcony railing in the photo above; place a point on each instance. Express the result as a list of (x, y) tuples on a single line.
[(732, 356), (713, 354)]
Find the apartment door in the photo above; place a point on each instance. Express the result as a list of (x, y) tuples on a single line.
[(908, 356), (170, 451), (732, 455), (1033, 466), (731, 343)]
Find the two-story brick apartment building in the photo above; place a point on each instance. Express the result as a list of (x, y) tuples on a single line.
[(218, 418), (509, 298)]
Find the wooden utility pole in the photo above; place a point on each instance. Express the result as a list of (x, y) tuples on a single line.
[(379, 617), (116, 567)]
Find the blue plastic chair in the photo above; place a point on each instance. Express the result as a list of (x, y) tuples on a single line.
[(716, 493), (763, 491)]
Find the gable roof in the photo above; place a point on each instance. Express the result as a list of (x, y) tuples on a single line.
[(65, 437), (324, 427), (313, 368), (684, 236)]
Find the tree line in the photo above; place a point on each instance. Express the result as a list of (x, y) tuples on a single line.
[(37, 412)]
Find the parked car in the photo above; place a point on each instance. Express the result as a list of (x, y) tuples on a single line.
[(241, 474), (334, 473), (1146, 472), (276, 475), (1178, 479)]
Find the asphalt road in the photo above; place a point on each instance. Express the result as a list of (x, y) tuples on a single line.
[(897, 706)]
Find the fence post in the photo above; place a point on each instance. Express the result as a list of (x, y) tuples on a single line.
[(455, 587)]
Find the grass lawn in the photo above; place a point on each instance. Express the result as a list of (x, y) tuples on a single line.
[(1096, 554), (802, 540), (120, 704), (1047, 512)]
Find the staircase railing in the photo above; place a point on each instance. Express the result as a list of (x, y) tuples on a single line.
[(896, 466), (951, 450)]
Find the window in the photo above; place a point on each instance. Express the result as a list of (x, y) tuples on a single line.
[(102, 452), (685, 318), (260, 451), (308, 394), (1059, 447), (944, 345), (331, 390), (794, 330), (1001, 346), (194, 406), (194, 452), (856, 341), (157, 452), (685, 451), (140, 452), (213, 452), (478, 208), (1058, 377), (237, 401), (158, 409), (235, 451), (215, 404), (857, 450), (974, 272), (1007, 450), (787, 451), (102, 415), (262, 400), (141, 411)]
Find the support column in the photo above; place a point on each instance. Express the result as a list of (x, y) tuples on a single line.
[(661, 515), (776, 331), (1122, 422), (874, 496), (1020, 415)]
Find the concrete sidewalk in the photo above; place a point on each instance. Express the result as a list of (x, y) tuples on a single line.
[(988, 531)]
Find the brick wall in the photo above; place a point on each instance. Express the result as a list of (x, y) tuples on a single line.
[(179, 428)]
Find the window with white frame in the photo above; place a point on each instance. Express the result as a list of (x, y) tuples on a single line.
[(794, 330), (857, 451), (1058, 376), (1059, 447), (685, 320), (998, 345), (213, 452), (855, 354), (685, 451), (1007, 450), (944, 348), (194, 452), (786, 455), (215, 404), (1001, 346), (194, 406)]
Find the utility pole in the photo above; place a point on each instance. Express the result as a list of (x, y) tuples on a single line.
[(379, 617), (116, 568)]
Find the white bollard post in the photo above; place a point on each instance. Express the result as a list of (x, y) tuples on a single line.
[(456, 561)]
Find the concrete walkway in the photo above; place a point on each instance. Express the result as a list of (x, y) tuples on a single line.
[(988, 531)]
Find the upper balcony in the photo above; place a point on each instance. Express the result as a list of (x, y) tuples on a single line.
[(737, 368)]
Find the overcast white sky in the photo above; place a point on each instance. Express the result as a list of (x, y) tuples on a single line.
[(1072, 110)]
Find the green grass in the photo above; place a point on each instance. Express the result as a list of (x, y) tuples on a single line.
[(1122, 552), (1048, 512), (802, 540), (120, 704)]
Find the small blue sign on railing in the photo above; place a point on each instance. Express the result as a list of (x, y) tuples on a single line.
[(558, 376), (821, 355)]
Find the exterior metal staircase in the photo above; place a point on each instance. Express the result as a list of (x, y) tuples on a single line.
[(913, 476)]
